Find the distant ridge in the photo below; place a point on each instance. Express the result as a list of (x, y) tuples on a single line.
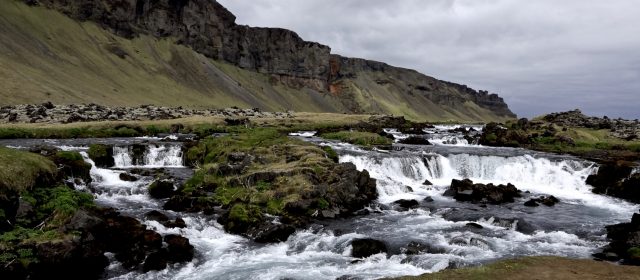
[(192, 53)]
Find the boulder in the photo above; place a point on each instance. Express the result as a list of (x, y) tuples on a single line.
[(179, 249), (466, 190), (127, 177), (615, 179), (102, 155), (161, 189), (414, 140), (363, 248), (407, 204)]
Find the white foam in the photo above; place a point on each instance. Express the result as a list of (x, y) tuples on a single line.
[(564, 179)]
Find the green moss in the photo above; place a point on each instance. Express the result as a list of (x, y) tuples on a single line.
[(634, 253), (358, 138), (275, 206), (20, 235), (228, 195), (69, 155), (98, 151), (331, 154), (322, 203), (20, 171)]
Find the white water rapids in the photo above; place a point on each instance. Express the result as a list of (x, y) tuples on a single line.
[(573, 228)]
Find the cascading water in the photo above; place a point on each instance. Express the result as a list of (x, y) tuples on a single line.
[(574, 227), (403, 177), (154, 155)]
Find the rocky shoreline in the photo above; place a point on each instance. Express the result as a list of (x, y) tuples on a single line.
[(49, 113)]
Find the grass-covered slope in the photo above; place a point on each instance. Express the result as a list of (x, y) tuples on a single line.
[(47, 56), (538, 268)]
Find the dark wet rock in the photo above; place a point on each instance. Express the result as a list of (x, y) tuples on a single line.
[(625, 242), (177, 223), (156, 261), (102, 155), (466, 190), (428, 199), (407, 204), (427, 183), (531, 203), (615, 179), (415, 140), (161, 189), (544, 200), (156, 215), (363, 248), (179, 249), (128, 177), (273, 233), (349, 277), (417, 248), (474, 225), (182, 203)]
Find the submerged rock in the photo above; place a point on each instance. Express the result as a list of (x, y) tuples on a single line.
[(544, 200), (407, 204), (363, 248)]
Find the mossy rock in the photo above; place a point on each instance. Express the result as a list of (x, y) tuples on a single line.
[(241, 217), (102, 155), (161, 189), (72, 165), (331, 154)]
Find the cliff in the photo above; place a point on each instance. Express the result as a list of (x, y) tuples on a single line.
[(192, 53)]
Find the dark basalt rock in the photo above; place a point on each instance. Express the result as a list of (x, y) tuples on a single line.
[(127, 177), (181, 203), (407, 204), (274, 233), (179, 249), (474, 225), (415, 140), (156, 215), (427, 183), (466, 190), (615, 179), (161, 189), (363, 248), (544, 200), (625, 242)]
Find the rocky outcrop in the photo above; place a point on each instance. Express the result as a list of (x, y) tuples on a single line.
[(625, 242), (466, 190), (618, 180), (619, 128), (210, 29)]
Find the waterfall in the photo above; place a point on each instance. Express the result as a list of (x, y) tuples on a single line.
[(153, 155), (402, 177)]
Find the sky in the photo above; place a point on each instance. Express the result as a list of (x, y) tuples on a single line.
[(542, 56)]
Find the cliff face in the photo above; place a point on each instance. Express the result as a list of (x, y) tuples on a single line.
[(210, 29), (311, 77)]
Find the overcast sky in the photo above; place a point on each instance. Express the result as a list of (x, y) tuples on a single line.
[(541, 56)]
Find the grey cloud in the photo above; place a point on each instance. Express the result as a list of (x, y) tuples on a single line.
[(541, 56)]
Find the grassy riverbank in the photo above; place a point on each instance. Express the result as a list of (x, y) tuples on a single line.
[(198, 125), (539, 268)]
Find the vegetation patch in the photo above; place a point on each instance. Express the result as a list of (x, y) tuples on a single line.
[(366, 139), (21, 171)]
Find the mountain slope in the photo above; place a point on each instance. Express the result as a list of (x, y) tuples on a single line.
[(191, 53)]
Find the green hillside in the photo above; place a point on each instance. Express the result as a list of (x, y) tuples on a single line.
[(47, 56)]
